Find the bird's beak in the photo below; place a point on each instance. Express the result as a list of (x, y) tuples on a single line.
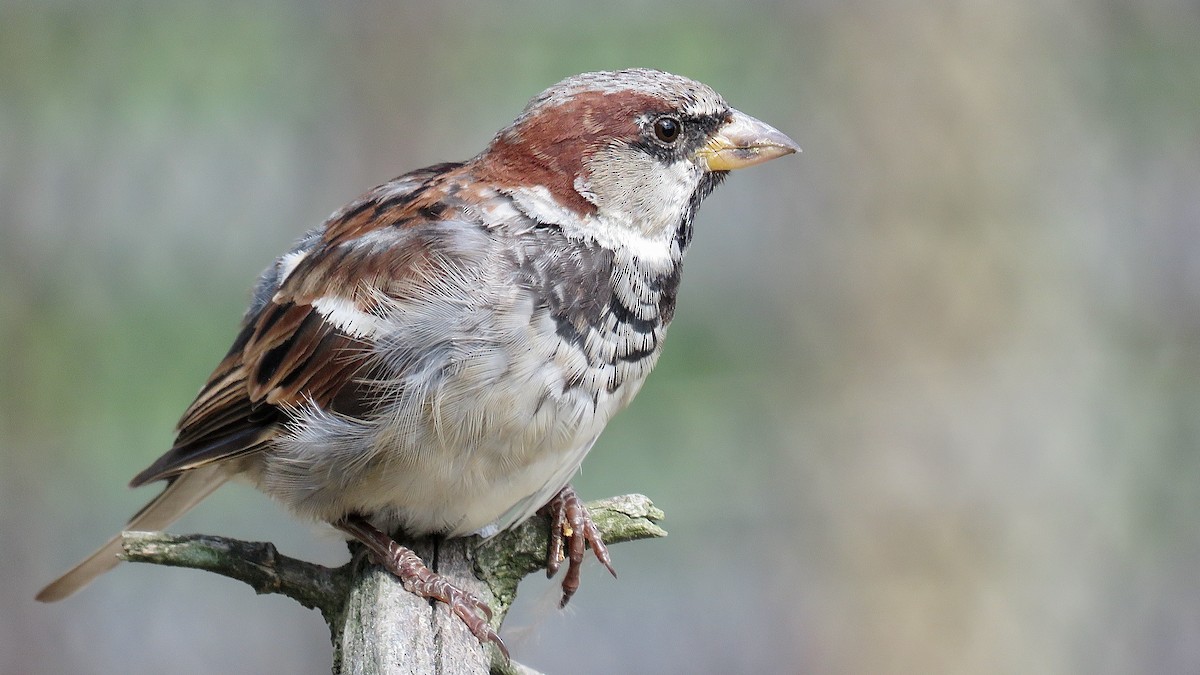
[(744, 141)]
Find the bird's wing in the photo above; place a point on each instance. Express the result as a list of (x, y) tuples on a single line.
[(308, 336)]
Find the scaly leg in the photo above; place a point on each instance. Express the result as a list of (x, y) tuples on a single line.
[(420, 580), (569, 519)]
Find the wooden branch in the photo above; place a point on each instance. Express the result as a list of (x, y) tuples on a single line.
[(376, 626), (258, 564)]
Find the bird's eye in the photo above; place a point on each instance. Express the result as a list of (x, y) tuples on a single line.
[(666, 129)]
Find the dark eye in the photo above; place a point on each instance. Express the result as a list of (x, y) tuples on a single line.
[(666, 129)]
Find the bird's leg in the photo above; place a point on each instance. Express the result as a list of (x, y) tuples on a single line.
[(569, 519), (420, 580)]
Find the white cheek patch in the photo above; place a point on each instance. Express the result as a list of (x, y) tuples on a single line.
[(348, 317), (667, 201)]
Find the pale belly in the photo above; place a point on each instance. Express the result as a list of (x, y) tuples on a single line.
[(479, 452)]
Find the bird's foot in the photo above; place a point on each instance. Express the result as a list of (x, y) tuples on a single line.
[(422, 581), (569, 520)]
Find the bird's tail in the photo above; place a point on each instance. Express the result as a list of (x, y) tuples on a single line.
[(184, 492)]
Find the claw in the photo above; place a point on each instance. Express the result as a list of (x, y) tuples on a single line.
[(557, 530), (569, 520)]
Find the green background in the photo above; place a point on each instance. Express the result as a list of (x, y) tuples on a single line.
[(931, 402)]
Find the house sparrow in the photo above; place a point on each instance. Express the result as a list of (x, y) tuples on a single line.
[(439, 356)]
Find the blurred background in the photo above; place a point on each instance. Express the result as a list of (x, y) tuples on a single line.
[(931, 402)]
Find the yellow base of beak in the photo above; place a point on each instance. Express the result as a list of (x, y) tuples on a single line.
[(744, 141)]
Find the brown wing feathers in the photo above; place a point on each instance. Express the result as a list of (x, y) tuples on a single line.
[(288, 354), (293, 357)]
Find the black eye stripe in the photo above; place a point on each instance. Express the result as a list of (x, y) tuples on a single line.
[(693, 132)]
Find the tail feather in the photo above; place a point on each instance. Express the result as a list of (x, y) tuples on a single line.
[(185, 492)]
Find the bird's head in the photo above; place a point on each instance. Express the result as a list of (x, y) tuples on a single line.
[(625, 155)]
